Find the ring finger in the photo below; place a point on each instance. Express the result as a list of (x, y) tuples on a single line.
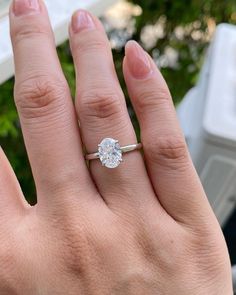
[(102, 109)]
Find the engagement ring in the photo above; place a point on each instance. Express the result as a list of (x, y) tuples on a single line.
[(110, 152)]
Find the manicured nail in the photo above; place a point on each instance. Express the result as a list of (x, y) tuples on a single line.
[(137, 60), (21, 7), (81, 20)]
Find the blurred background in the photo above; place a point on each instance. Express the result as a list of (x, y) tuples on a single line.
[(175, 32)]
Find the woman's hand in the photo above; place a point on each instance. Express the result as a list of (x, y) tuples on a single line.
[(145, 227)]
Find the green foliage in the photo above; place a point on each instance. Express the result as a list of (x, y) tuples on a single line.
[(196, 18)]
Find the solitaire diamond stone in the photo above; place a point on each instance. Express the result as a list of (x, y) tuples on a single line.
[(110, 153)]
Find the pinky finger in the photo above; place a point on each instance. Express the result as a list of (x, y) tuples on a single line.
[(170, 168)]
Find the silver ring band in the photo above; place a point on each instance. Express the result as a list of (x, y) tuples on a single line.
[(110, 152)]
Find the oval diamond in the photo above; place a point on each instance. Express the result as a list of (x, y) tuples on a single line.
[(110, 153)]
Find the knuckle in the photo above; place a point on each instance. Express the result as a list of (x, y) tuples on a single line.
[(148, 98), (87, 43), (39, 95), (85, 241), (100, 104), (171, 148), (150, 245), (79, 246), (168, 151), (26, 32), (147, 246)]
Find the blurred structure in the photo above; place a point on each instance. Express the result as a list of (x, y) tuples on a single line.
[(234, 278), (208, 118), (4, 7), (60, 13)]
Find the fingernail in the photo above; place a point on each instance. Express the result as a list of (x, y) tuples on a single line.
[(21, 7), (81, 20), (137, 60)]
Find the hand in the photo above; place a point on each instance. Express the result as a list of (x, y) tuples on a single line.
[(145, 227)]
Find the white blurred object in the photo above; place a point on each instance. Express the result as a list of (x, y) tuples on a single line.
[(208, 118), (60, 12), (234, 278), (4, 7)]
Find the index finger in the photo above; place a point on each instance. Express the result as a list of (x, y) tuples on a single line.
[(46, 110)]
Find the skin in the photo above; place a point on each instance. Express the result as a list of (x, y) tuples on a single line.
[(145, 227)]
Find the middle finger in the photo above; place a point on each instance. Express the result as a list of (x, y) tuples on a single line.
[(102, 109)]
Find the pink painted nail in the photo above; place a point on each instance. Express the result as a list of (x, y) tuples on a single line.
[(82, 20), (137, 60), (21, 7)]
